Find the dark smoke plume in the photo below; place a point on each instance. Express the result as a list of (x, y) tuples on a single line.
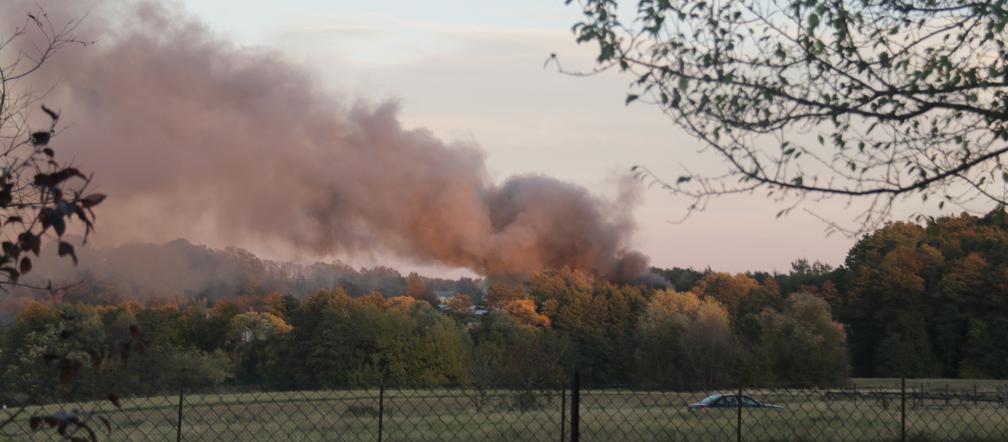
[(192, 136)]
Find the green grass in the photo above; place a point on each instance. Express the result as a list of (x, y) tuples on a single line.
[(607, 415)]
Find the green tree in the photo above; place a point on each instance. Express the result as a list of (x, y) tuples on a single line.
[(248, 335), (417, 288), (599, 319), (42, 330), (799, 344), (886, 282), (501, 350), (459, 304), (502, 292), (730, 290), (336, 341), (682, 280), (256, 326), (905, 350), (985, 352), (684, 339), (929, 294)]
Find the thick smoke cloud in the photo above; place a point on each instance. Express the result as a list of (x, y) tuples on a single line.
[(193, 136)]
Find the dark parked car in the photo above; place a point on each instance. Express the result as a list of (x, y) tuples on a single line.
[(728, 401)]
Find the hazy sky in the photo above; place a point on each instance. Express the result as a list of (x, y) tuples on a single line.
[(474, 71)]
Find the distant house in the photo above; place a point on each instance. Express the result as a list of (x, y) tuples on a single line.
[(444, 295)]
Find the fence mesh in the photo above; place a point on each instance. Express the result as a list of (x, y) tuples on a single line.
[(882, 412)]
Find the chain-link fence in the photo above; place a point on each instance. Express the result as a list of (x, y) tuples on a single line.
[(884, 411)]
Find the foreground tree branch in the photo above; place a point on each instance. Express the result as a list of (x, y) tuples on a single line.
[(40, 197), (806, 100)]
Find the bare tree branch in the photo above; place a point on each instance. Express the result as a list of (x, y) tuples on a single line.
[(903, 98)]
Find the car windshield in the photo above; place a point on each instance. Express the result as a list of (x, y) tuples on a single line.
[(710, 399)]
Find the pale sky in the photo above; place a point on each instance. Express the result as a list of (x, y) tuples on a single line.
[(473, 70)]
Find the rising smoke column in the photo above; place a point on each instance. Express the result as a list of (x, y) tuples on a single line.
[(194, 136)]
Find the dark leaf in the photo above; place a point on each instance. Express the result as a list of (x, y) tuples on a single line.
[(48, 216), (11, 249), (30, 241), (82, 215), (49, 357), (40, 138), (66, 334), (48, 151), (59, 225), (64, 207), (55, 178), (92, 200), (14, 219), (35, 422), (114, 399), (66, 248), (134, 331), (52, 114)]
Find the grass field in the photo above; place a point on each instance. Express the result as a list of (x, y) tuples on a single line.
[(611, 415)]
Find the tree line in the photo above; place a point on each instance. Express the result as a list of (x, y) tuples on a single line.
[(535, 332), (910, 300)]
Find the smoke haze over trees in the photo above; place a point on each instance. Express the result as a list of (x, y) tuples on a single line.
[(178, 271), (199, 138)]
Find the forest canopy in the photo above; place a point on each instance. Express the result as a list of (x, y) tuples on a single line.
[(910, 300)]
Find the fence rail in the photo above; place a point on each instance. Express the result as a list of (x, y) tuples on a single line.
[(575, 412), (914, 397)]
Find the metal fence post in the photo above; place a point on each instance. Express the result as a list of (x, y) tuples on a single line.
[(738, 410), (563, 413), (903, 409), (576, 407), (381, 409), (178, 428)]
